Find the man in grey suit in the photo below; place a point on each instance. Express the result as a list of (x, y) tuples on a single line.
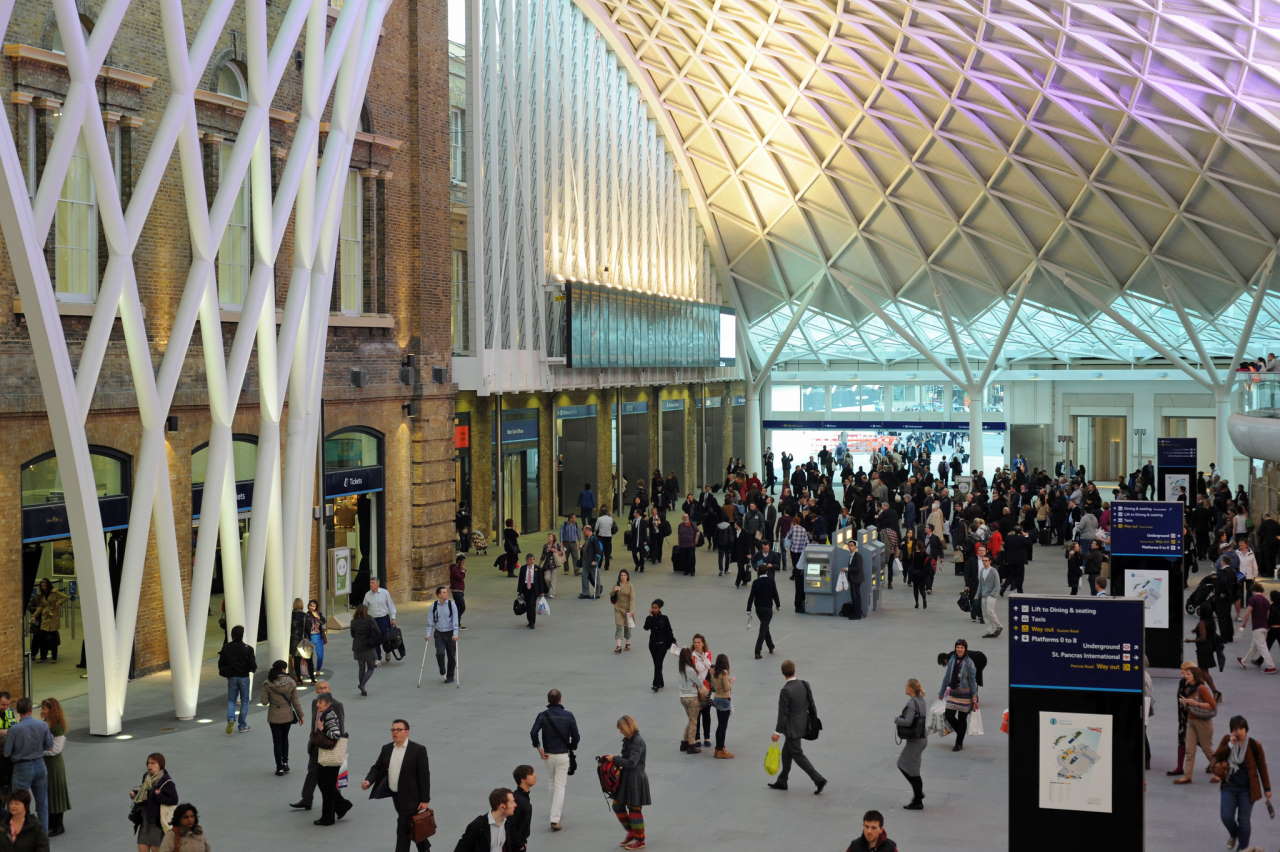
[(793, 720)]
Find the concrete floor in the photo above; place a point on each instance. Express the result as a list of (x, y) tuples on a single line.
[(478, 733)]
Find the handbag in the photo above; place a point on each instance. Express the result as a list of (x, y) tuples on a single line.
[(518, 606), (333, 756), (305, 649), (631, 621), (422, 825), (813, 725)]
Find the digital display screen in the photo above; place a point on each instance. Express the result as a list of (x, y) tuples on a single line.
[(813, 568), (728, 337)]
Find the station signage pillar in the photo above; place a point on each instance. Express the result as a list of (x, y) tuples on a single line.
[(1175, 468), (1146, 563), (1075, 722)]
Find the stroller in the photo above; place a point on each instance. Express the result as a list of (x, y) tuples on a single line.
[(479, 542)]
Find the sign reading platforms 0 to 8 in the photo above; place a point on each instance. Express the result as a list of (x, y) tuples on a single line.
[(1092, 644), (1142, 528)]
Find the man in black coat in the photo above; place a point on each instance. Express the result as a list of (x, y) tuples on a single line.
[(483, 829), (529, 585), (763, 594), (1017, 549), (793, 721), (520, 825), (402, 774)]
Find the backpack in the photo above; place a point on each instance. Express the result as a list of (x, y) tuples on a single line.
[(610, 775)]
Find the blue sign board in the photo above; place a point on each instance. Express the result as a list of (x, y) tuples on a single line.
[(575, 412), (640, 407), (864, 425), (1176, 452), (673, 405), (358, 480), (1088, 644), (1146, 528), (739, 400), (244, 497), (515, 431), (48, 522)]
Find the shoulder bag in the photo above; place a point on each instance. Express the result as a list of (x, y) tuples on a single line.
[(813, 725), (334, 756)]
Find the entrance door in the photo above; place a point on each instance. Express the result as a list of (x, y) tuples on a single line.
[(1102, 446), (520, 485)]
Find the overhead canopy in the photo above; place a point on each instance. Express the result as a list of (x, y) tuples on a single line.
[(925, 164)]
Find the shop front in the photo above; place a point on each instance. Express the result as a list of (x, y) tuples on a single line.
[(636, 465), (576, 453), (355, 506), (53, 635), (673, 441), (710, 415), (520, 491)]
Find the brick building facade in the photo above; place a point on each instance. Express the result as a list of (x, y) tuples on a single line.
[(391, 293)]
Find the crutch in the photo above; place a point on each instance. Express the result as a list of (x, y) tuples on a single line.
[(426, 646), (457, 660)]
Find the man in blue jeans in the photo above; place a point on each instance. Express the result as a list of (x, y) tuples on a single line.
[(236, 663), (25, 745)]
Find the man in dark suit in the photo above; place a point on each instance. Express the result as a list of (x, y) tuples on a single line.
[(402, 774), (764, 596), (490, 828), (793, 720), (529, 585), (519, 826)]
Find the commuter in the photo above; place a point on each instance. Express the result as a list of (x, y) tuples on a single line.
[(988, 583), (960, 690), (488, 832), (302, 656), (46, 620), (1256, 616), (702, 661), (309, 783), (510, 548), (795, 702), (280, 694), (317, 631), (636, 538), (443, 627), (657, 531), (912, 730), (26, 745), (633, 786), (606, 529), (1241, 765), (623, 599), (382, 609), (692, 694), (236, 663), (586, 503), (919, 573), (520, 825), (874, 838), (1075, 567), (722, 700), (552, 560), (555, 737), (661, 638), (1273, 619), (402, 773), (571, 538), (530, 586), (767, 560), (458, 586), (725, 537), (325, 732), (365, 639), (55, 766), (154, 791), (187, 834), (687, 545), (22, 828), (592, 559), (1197, 700), (8, 718), (1205, 636), (764, 597)]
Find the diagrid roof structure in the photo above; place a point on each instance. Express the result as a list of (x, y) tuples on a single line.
[(1047, 178)]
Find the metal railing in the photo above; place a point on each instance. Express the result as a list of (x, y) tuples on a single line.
[(1260, 394)]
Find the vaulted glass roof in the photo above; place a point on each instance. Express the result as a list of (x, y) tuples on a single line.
[(1111, 170)]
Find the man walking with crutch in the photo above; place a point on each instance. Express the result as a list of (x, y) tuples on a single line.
[(443, 628)]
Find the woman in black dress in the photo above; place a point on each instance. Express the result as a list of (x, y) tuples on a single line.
[(633, 787)]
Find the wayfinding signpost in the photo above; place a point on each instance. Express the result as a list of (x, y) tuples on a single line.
[(1075, 722), (1175, 468), (1146, 563)]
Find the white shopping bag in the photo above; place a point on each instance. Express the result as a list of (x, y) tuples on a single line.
[(938, 720), (842, 582), (975, 723), (544, 608)]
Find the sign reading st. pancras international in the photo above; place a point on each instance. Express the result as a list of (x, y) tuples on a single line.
[(1092, 644)]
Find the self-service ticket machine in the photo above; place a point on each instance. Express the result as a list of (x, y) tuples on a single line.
[(872, 553), (821, 566)]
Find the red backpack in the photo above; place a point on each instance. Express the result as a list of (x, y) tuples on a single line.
[(610, 775)]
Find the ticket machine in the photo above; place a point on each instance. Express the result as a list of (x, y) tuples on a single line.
[(872, 553), (821, 566)]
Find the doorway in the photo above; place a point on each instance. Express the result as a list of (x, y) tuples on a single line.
[(1101, 446), (520, 486)]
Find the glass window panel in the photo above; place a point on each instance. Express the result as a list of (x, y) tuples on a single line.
[(959, 399), (906, 397), (995, 399), (860, 398), (42, 481), (784, 398), (76, 231), (347, 450), (351, 247), (813, 397), (233, 252), (244, 455)]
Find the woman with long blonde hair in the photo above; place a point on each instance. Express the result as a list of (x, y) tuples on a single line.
[(912, 724)]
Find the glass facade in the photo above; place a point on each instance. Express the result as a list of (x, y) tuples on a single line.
[(608, 327)]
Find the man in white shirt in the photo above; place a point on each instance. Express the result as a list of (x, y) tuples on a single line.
[(488, 832), (605, 528), (381, 609), (402, 773)]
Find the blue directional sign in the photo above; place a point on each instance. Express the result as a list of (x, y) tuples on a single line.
[(1089, 644), (1176, 452), (1143, 528)]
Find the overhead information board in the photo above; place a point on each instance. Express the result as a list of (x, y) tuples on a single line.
[(1145, 528), (1092, 644), (1176, 452)]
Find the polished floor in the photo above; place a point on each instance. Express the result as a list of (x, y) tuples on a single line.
[(477, 733)]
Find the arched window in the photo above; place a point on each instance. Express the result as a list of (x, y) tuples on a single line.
[(234, 251), (42, 480), (353, 448), (244, 459)]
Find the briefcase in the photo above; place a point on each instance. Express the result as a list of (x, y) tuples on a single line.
[(423, 825)]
